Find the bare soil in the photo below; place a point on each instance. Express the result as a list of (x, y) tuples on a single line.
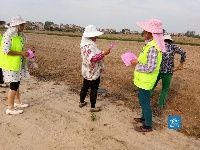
[(54, 121)]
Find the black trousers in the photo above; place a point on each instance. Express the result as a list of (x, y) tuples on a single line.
[(1, 76), (94, 85)]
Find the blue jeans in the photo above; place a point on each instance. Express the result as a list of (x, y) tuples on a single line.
[(144, 100)]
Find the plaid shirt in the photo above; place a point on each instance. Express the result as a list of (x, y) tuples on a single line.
[(151, 61), (167, 65)]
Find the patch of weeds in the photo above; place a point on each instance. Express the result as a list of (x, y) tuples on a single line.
[(93, 117)]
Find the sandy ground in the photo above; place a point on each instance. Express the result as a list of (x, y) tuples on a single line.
[(55, 122)]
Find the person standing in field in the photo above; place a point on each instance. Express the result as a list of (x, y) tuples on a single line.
[(147, 68), (167, 69), (2, 84), (13, 62), (92, 65)]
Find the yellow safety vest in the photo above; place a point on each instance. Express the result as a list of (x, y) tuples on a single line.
[(0, 39), (146, 81), (12, 62)]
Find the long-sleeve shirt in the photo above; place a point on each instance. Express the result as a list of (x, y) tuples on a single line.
[(167, 65), (151, 62), (97, 57), (92, 64)]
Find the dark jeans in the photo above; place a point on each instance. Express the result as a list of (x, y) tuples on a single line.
[(94, 85), (144, 99), (1, 76)]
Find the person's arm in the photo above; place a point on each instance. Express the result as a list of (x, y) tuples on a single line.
[(151, 62), (181, 52), (183, 57), (26, 54), (99, 56)]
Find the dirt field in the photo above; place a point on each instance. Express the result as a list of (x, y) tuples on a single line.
[(54, 101)]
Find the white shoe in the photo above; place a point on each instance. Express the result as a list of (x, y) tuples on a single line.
[(13, 112), (22, 105)]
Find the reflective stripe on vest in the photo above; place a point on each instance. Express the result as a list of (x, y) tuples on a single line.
[(147, 80), (12, 62)]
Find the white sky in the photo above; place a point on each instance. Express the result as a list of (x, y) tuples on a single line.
[(178, 16)]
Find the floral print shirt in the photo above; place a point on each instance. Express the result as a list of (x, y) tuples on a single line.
[(167, 65), (92, 62)]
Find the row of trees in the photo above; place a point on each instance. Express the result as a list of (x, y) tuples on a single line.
[(191, 34)]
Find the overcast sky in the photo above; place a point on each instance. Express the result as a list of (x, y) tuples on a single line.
[(178, 16)]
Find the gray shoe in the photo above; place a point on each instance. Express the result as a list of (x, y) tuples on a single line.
[(82, 104)]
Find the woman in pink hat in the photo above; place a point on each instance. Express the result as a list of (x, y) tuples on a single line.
[(13, 62), (147, 68), (92, 65)]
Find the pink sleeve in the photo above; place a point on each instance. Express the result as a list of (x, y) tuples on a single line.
[(97, 57)]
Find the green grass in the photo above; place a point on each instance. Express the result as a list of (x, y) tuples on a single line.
[(188, 43)]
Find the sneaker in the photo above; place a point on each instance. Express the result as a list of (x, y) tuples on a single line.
[(22, 105), (13, 112), (4, 85), (142, 129)]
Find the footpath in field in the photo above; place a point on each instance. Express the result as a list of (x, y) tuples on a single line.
[(55, 122)]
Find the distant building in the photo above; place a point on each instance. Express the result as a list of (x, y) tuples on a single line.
[(126, 31), (135, 32), (2, 24), (34, 25), (108, 31)]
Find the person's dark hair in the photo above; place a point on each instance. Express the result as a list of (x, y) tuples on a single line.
[(168, 41)]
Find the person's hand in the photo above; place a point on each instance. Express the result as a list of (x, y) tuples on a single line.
[(179, 67), (106, 52), (134, 62), (26, 54)]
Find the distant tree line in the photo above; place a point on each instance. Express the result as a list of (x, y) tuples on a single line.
[(191, 34)]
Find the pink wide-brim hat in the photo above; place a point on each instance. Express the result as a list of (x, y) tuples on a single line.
[(17, 20), (153, 26)]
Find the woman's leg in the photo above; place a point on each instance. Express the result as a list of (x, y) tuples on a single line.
[(1, 76), (166, 80), (158, 78), (17, 99), (84, 90), (12, 93), (94, 85), (140, 97), (11, 97), (144, 99)]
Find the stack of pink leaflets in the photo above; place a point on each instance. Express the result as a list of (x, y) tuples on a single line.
[(127, 57), (31, 54)]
